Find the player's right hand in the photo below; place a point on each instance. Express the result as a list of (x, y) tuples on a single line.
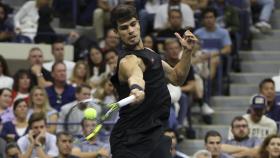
[(139, 95)]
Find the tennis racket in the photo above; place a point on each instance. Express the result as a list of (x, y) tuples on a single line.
[(112, 107), (74, 116)]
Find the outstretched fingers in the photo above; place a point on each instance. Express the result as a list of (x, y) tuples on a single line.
[(178, 36), (189, 35)]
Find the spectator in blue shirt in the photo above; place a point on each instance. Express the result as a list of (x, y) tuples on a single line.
[(221, 42), (60, 92), (267, 88)]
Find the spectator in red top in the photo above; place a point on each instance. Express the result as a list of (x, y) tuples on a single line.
[(22, 85)]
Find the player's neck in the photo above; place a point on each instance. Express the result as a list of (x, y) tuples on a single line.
[(138, 46)]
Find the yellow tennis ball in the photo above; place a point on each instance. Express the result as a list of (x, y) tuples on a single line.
[(90, 113)]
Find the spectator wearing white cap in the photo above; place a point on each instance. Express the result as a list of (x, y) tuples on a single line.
[(260, 125)]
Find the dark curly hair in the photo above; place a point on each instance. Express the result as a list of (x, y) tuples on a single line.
[(122, 12)]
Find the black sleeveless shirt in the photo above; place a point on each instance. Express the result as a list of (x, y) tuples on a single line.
[(143, 123)]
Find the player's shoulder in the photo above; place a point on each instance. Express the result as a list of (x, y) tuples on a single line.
[(149, 49)]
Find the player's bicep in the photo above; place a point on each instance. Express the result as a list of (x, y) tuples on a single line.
[(131, 66), (170, 74)]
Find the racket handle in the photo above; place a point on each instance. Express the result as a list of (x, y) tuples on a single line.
[(126, 101)]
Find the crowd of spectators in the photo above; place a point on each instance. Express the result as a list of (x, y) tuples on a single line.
[(38, 116)]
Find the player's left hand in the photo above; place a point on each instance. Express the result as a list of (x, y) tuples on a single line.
[(188, 41)]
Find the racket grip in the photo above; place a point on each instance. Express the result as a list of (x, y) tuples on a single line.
[(126, 101)]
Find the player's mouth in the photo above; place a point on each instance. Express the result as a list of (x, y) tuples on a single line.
[(132, 38)]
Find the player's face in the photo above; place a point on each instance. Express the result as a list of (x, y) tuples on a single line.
[(240, 129), (273, 147), (129, 32)]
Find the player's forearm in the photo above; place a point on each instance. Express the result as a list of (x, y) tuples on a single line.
[(132, 73), (136, 80), (182, 67)]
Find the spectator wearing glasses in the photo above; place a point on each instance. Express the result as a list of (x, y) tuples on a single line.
[(60, 92), (240, 130)]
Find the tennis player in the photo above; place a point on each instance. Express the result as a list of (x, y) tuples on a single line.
[(141, 72)]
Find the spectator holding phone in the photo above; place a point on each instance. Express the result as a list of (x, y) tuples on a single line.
[(38, 142)]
